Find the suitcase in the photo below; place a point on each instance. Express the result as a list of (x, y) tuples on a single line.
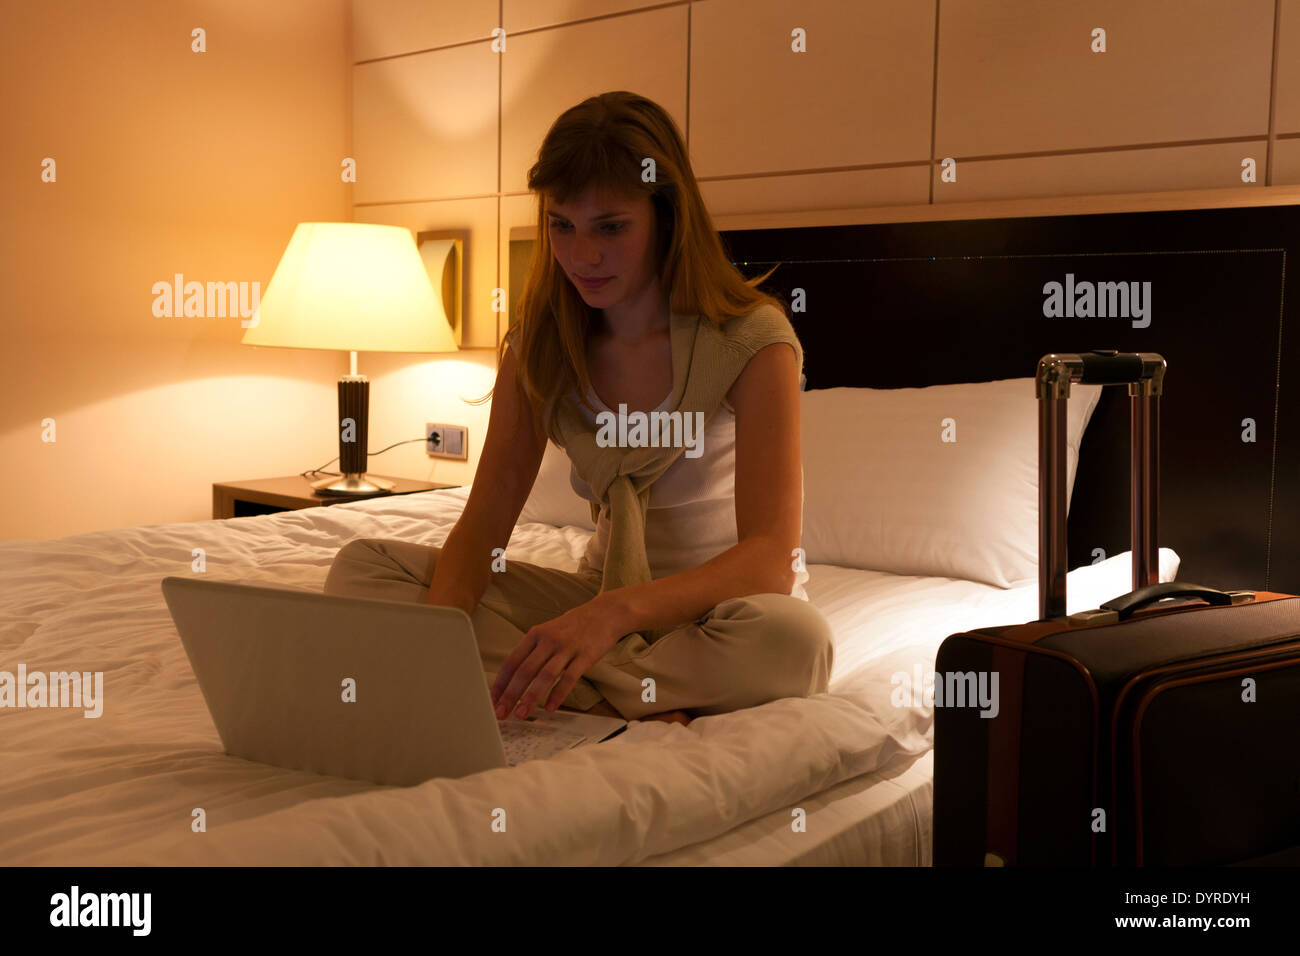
[(1159, 729)]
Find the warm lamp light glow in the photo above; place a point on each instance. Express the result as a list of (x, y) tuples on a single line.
[(355, 287)]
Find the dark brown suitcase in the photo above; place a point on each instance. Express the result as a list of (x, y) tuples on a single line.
[(1143, 732)]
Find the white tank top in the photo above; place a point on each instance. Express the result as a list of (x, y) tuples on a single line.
[(691, 514)]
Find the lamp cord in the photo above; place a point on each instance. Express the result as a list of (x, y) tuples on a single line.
[(370, 454)]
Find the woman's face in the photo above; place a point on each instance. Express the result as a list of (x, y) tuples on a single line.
[(604, 237)]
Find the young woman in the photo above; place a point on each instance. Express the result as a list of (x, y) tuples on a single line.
[(632, 304)]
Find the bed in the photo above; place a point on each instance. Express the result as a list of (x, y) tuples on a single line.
[(121, 789)]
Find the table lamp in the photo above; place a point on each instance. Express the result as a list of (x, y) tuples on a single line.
[(359, 287)]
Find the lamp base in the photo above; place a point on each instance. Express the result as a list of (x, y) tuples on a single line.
[(353, 485)]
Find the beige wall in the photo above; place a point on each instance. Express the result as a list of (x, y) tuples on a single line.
[(168, 161), (171, 161), (887, 89)]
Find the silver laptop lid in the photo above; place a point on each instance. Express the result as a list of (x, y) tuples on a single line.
[(387, 691)]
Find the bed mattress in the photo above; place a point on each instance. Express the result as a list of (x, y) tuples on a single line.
[(842, 777)]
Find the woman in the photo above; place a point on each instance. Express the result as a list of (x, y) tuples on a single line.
[(689, 599)]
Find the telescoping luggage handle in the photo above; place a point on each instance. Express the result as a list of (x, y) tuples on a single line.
[(1144, 373)]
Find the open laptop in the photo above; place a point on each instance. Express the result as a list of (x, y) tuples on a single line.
[(387, 691)]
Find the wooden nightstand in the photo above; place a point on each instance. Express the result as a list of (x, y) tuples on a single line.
[(262, 496)]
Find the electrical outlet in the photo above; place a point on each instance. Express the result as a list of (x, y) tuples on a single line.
[(446, 441)]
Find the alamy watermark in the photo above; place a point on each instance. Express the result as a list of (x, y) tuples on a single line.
[(84, 689), (75, 908), (1100, 300), (951, 689), (194, 299), (651, 430)]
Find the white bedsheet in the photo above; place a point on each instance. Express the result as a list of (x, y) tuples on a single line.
[(121, 789)]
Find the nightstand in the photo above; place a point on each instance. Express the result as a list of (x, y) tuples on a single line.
[(262, 496)]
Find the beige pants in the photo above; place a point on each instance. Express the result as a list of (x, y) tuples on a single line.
[(744, 652)]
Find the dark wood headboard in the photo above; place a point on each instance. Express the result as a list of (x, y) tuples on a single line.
[(911, 304)]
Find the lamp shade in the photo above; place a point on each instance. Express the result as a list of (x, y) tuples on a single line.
[(350, 286)]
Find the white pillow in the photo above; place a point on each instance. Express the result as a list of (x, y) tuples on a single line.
[(553, 500), (883, 491)]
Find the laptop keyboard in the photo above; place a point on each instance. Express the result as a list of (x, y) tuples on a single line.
[(528, 740)]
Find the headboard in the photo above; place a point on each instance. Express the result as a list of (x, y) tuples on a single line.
[(902, 304)]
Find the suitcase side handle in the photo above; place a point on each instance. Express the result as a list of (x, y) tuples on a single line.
[(1127, 604), (1144, 373)]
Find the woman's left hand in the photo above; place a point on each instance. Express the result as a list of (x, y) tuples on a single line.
[(560, 649)]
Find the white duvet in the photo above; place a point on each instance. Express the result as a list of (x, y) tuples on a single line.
[(127, 788)]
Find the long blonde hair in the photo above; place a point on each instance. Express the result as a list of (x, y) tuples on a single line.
[(603, 143)]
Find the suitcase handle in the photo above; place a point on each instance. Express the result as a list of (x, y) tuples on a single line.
[(1127, 604), (1144, 374)]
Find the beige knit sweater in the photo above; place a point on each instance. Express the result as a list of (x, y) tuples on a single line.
[(707, 360)]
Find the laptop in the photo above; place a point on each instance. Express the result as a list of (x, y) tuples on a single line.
[(386, 691)]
